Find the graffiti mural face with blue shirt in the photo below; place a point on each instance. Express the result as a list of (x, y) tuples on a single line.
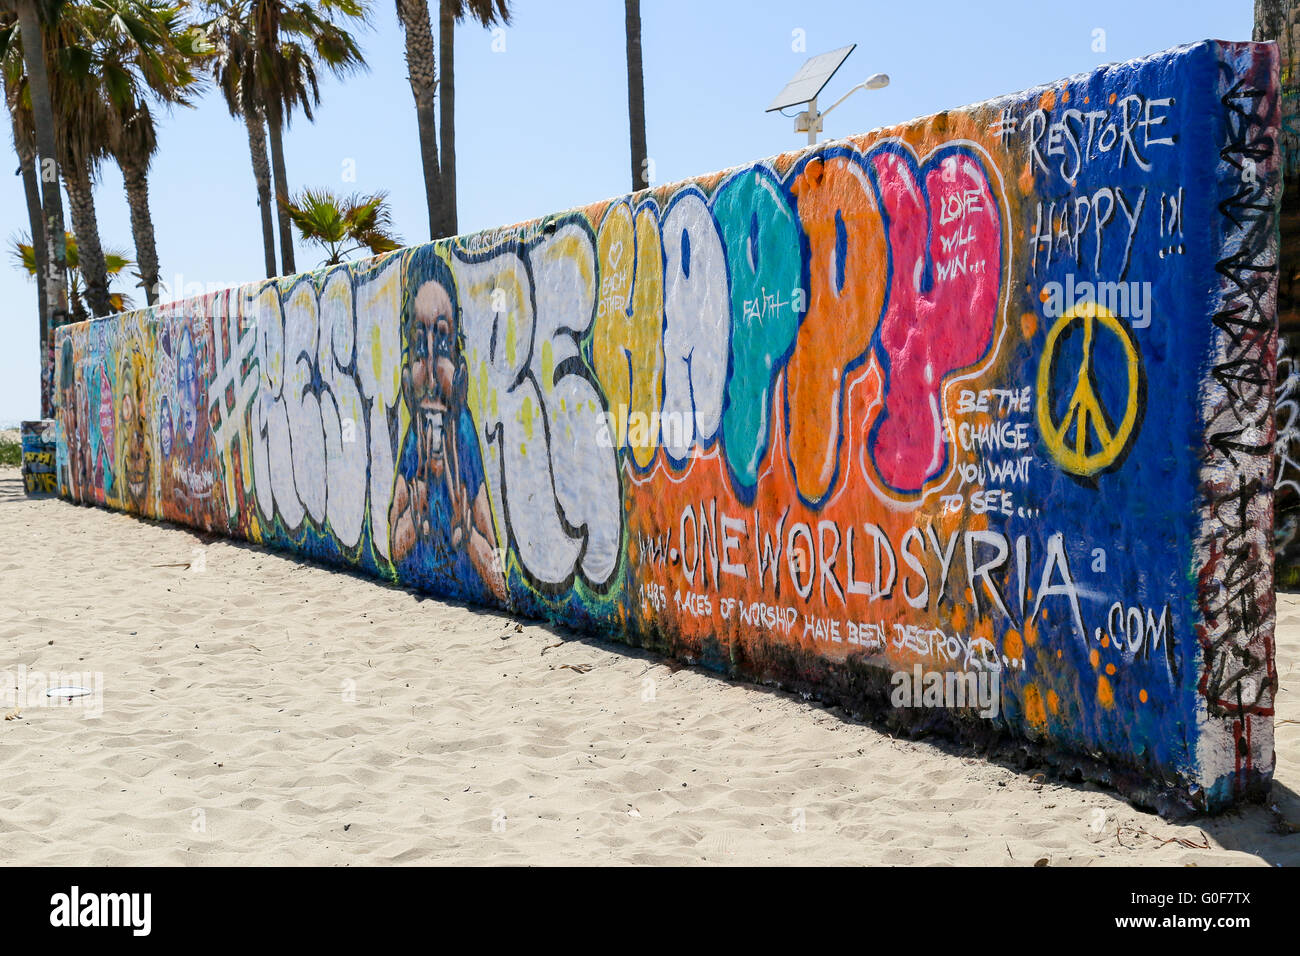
[(441, 519)]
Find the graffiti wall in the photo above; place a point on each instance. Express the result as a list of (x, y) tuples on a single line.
[(40, 448), (978, 403)]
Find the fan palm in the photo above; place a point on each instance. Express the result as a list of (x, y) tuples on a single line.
[(116, 262), (332, 222)]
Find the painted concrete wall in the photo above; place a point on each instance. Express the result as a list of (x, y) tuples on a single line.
[(40, 453), (980, 402)]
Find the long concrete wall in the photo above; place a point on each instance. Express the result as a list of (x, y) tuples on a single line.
[(978, 405)]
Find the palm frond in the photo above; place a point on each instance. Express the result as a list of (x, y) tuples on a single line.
[(333, 221)]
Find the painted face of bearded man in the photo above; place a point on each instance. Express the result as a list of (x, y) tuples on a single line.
[(440, 518)]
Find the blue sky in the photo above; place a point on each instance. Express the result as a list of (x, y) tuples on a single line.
[(542, 124)]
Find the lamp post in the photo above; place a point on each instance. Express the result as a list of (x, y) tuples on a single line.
[(810, 120)]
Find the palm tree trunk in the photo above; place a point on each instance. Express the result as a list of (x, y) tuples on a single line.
[(56, 275), (275, 129), (636, 95), (26, 151), (423, 77), (256, 125), (135, 176), (447, 111), (85, 226)]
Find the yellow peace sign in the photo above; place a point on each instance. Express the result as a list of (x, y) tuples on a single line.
[(1095, 446)]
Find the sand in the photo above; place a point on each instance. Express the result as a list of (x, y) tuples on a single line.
[(258, 710)]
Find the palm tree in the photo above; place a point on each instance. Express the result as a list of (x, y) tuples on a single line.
[(636, 94), (12, 78), (289, 40), (117, 262), (266, 53), (230, 35), (32, 16), (133, 141), (152, 58), (82, 147), (80, 118), (103, 53), (414, 16), (451, 12), (332, 222)]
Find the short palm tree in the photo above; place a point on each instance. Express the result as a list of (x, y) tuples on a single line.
[(116, 262), (333, 222)]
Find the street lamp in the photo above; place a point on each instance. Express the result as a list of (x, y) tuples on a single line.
[(810, 121), (810, 81)]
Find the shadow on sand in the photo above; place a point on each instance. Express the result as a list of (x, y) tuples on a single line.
[(1269, 831)]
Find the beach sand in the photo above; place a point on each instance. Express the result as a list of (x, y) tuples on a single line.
[(258, 710)]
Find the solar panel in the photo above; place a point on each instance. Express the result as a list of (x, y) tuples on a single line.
[(810, 79)]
